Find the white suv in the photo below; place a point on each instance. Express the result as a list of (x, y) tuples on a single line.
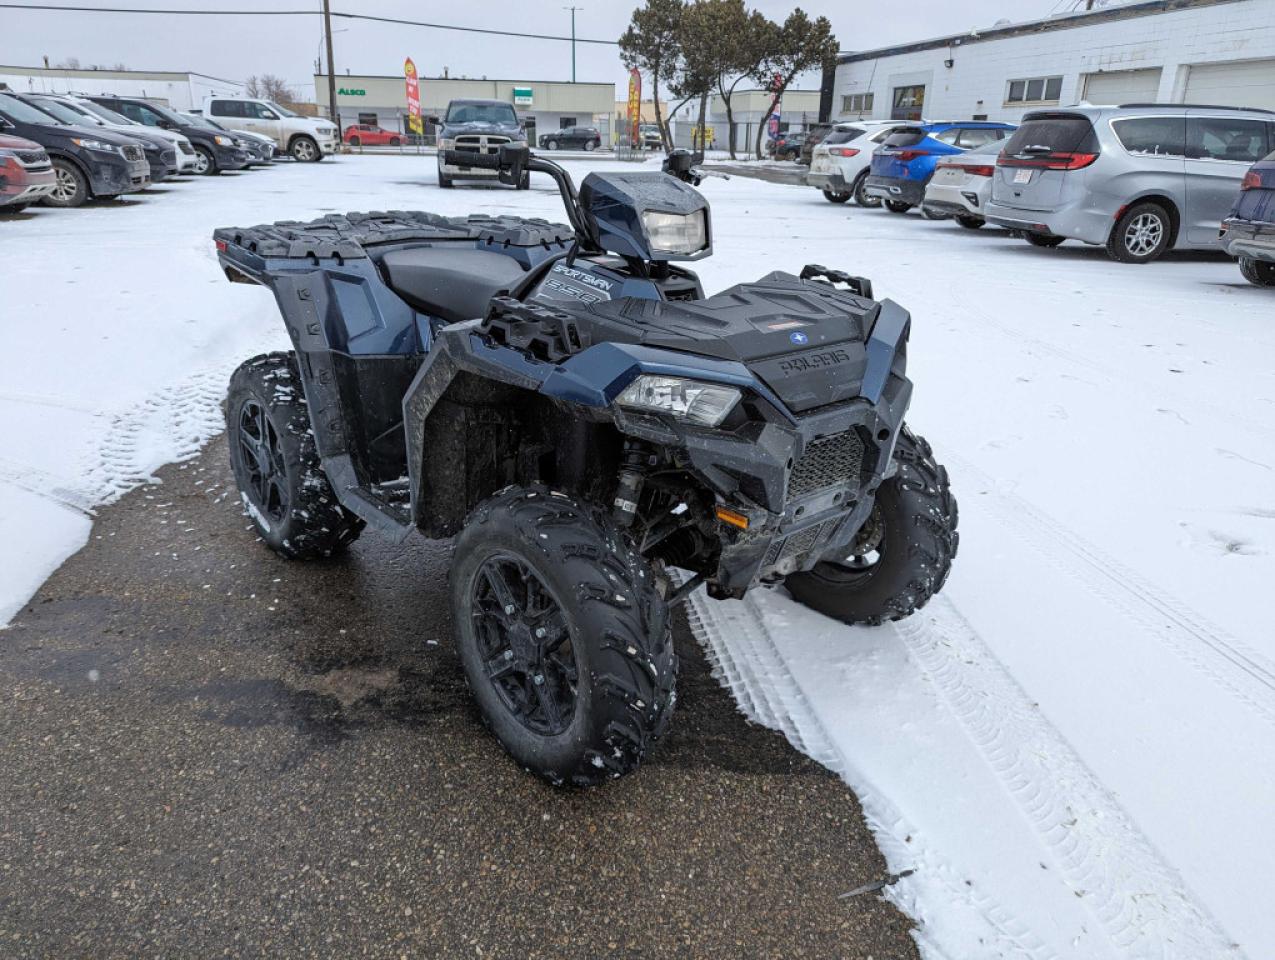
[(304, 138), (839, 163)]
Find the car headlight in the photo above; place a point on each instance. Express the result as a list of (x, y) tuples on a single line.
[(98, 145), (223, 141), (702, 403), (446, 144), (676, 232)]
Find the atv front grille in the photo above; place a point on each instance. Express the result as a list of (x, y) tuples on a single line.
[(131, 152), (800, 543), (827, 462)]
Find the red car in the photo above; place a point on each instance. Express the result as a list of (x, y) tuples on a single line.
[(370, 136), (26, 174)]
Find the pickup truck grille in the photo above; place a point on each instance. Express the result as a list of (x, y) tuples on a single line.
[(479, 143), (132, 153), (827, 462), (185, 148)]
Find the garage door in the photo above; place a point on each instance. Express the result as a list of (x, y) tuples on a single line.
[(1247, 84), (1123, 86)]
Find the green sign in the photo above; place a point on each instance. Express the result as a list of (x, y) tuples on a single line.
[(522, 96), (347, 92)]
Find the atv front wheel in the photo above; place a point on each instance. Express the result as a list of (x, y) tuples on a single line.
[(563, 634), (272, 452), (902, 555)]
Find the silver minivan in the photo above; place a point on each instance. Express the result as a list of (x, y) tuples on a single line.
[(1138, 179)]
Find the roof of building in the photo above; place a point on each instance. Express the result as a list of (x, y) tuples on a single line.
[(90, 72), (1071, 21)]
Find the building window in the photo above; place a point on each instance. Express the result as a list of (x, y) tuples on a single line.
[(1035, 90), (856, 103), (909, 103)]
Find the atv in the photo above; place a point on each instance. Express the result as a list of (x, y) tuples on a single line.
[(599, 436)]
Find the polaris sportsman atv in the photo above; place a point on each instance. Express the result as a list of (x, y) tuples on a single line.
[(567, 403)]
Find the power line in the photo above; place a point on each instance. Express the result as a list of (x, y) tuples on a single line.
[(306, 13)]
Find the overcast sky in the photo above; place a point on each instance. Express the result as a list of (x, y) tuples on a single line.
[(235, 47)]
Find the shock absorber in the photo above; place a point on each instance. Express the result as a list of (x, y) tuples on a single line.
[(633, 465)]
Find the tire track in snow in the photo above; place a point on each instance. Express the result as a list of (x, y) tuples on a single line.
[(47, 486), (1139, 901), (1245, 673), (746, 660)]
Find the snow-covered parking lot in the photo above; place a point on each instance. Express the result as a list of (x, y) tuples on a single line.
[(1072, 748)]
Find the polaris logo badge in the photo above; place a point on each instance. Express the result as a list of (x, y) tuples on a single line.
[(816, 361), (798, 337)]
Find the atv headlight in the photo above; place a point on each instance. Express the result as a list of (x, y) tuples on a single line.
[(676, 232), (703, 403)]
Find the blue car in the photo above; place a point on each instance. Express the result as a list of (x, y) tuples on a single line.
[(904, 163), (1249, 232)]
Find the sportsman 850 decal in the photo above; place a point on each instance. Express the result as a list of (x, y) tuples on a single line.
[(568, 283)]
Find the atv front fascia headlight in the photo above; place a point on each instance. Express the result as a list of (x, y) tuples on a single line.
[(704, 403), (676, 233)]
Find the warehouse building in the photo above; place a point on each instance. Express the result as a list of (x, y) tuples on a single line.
[(1219, 52), (179, 90), (544, 106)]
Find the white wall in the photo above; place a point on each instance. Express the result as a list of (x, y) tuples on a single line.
[(977, 81), (182, 92)]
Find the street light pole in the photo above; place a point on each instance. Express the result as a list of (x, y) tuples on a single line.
[(327, 36), (573, 40)]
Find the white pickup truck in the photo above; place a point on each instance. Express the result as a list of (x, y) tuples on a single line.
[(304, 138)]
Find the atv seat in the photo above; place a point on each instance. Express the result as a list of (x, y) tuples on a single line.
[(452, 283)]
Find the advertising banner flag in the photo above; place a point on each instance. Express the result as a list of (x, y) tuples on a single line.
[(414, 123), (635, 106)]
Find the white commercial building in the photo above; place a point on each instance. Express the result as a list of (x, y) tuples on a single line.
[(1219, 52), (181, 91)]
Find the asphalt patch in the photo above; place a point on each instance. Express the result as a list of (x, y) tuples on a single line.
[(210, 751)]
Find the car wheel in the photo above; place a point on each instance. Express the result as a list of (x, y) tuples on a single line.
[(1258, 272), (832, 197), (1047, 240), (395, 141), (860, 197), (524, 182), (563, 635), (934, 214), (444, 181), (971, 223), (1141, 235), (205, 162), (14, 208), (304, 150), (70, 187), (551, 144), (590, 146), (897, 206), (354, 141)]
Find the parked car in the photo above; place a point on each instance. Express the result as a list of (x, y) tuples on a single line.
[(308, 139), (839, 164), (814, 137), (787, 146), (905, 161), (161, 155), (261, 149), (1249, 231), (87, 161), (649, 134), (370, 135), (130, 128), (1139, 179), (572, 138), (214, 151), (962, 185), (26, 173), (477, 126)]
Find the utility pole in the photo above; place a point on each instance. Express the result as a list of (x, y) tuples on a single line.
[(573, 40), (327, 36)]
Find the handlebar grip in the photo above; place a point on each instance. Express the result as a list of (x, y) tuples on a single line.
[(459, 158)]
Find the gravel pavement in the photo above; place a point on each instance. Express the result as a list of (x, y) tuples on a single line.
[(209, 751)]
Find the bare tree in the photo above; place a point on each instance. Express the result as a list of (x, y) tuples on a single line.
[(268, 87), (804, 44), (70, 63)]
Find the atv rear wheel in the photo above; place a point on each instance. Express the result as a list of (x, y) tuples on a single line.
[(272, 452), (563, 635), (902, 555)]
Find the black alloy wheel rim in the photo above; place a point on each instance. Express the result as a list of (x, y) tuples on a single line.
[(263, 460), (525, 645), (867, 550)]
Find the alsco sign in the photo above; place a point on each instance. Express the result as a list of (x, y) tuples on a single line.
[(348, 92)]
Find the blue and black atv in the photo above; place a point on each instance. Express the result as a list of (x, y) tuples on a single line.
[(568, 404)]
